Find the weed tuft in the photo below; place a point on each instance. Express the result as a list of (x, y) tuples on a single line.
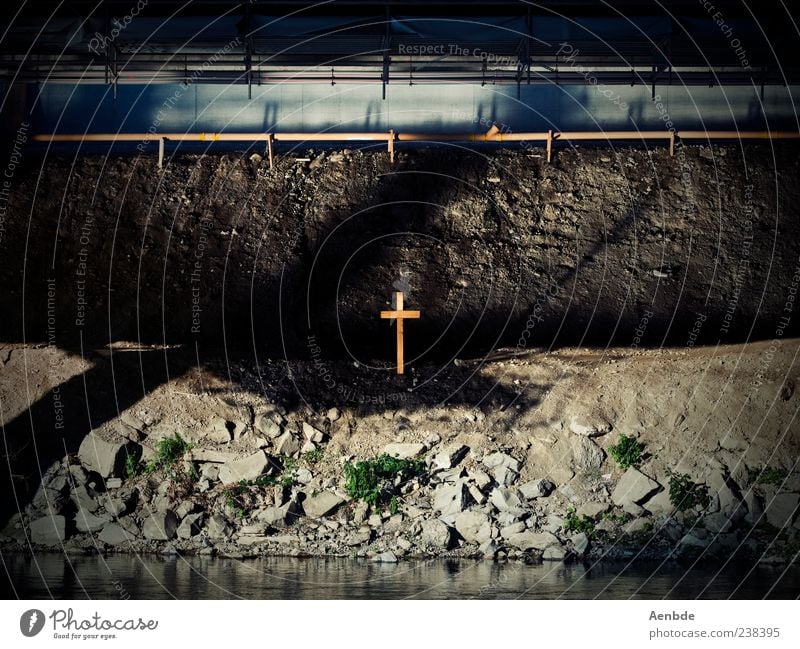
[(373, 480), (684, 494), (627, 451)]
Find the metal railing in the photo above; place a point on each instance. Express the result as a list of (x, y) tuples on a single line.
[(494, 135)]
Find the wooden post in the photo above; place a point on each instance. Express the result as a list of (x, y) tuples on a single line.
[(391, 145), (671, 144), (161, 142), (549, 145), (270, 137), (398, 314)]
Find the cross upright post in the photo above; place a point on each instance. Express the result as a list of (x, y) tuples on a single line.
[(400, 315)]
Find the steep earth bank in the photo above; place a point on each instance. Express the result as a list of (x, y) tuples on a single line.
[(495, 248), (515, 463)]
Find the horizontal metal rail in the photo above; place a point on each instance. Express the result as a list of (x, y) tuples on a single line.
[(390, 137)]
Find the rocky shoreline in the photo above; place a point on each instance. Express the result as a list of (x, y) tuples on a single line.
[(259, 478)]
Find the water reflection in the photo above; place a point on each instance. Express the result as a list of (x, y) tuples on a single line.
[(97, 577)]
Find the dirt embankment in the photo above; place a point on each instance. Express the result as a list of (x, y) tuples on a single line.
[(628, 246), (516, 456)]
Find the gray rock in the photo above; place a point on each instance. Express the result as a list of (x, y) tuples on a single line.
[(210, 470), (496, 459), (480, 478), (287, 444), (717, 523), (536, 489), (84, 498), (476, 494), (106, 457), (436, 534), (49, 501), (755, 507), (303, 476), (506, 518), (385, 557), (726, 496), (361, 536), (275, 516), (113, 483), (322, 504), (503, 468), (660, 504), (77, 475), (781, 510), (248, 468), (592, 510), (129, 526), (185, 508), (554, 553), (634, 510), (313, 434), (474, 527), (219, 430), (118, 505), (581, 544), (634, 487), (50, 530), (249, 540), (533, 540), (217, 527), (512, 529), (637, 525), (160, 526), (507, 500), (88, 522), (589, 428), (692, 540), (212, 455), (488, 549), (403, 451), (504, 476), (268, 427), (450, 456), (587, 455), (451, 499), (190, 525), (114, 534)]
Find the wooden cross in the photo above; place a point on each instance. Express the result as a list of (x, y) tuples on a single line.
[(399, 315)]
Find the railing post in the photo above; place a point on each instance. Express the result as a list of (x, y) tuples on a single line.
[(270, 137), (671, 144), (391, 145), (549, 145), (161, 142)]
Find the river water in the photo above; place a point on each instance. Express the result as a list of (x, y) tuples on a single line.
[(151, 577)]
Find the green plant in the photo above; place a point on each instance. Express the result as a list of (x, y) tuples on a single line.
[(627, 451), (575, 523), (313, 457), (133, 466), (168, 451), (767, 475), (192, 472), (393, 505), (619, 519), (684, 494), (643, 535), (373, 480)]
